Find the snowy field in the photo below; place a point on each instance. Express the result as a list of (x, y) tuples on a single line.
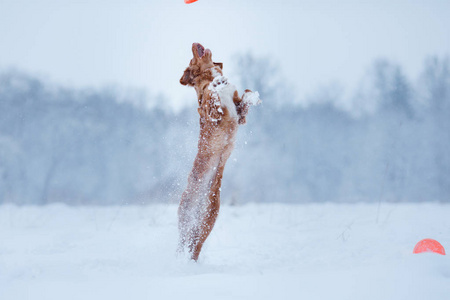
[(270, 251)]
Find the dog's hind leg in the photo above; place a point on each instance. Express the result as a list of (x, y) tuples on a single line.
[(212, 210), (205, 225), (197, 206)]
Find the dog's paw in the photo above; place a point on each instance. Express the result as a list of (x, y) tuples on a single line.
[(218, 83), (251, 98)]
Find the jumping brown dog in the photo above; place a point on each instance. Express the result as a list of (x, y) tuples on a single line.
[(221, 111)]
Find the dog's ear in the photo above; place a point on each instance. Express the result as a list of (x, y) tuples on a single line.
[(186, 78), (220, 65)]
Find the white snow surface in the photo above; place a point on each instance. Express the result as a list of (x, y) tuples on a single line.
[(256, 251)]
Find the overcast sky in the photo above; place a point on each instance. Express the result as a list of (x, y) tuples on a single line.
[(147, 43)]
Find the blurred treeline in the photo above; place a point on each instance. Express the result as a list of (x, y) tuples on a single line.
[(387, 141)]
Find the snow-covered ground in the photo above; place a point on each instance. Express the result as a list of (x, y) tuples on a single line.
[(270, 251)]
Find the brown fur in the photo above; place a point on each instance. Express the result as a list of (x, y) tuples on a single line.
[(200, 202)]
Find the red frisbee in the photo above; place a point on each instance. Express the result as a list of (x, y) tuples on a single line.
[(189, 1), (429, 245)]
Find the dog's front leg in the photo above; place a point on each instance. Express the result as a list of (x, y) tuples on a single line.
[(210, 107), (241, 107)]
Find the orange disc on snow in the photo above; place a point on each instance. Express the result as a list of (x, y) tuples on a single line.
[(189, 1), (429, 245)]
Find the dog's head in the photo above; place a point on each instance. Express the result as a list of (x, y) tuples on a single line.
[(201, 62)]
